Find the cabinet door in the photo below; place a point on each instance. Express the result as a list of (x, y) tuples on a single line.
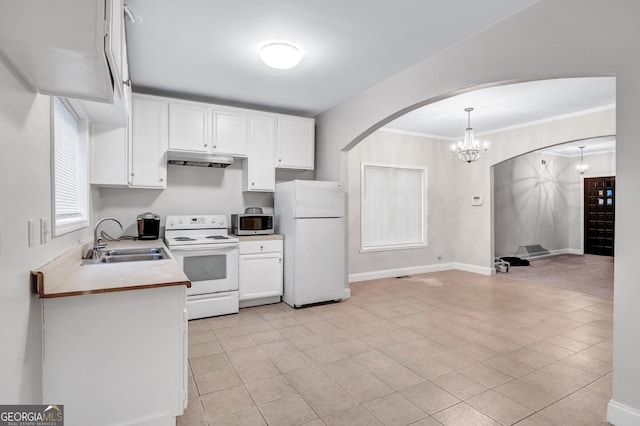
[(295, 143), (229, 132), (260, 276), (188, 127), (149, 143), (259, 170), (110, 152)]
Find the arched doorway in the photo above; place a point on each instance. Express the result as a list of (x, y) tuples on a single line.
[(540, 215), (514, 119)]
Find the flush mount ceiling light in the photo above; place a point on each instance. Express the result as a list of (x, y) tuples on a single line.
[(469, 150), (281, 56), (582, 167)]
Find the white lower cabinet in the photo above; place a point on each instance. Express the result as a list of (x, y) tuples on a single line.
[(116, 358), (260, 270)]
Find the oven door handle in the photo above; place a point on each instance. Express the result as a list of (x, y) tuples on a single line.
[(196, 247)]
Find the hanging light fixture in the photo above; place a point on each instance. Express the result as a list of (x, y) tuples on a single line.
[(469, 150), (582, 167)]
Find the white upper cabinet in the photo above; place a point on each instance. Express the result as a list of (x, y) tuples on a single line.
[(295, 143), (188, 127), (229, 131), (259, 172), (207, 128), (110, 156), (149, 142), (69, 48)]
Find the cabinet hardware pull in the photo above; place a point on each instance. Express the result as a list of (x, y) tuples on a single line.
[(206, 145), (127, 83), (161, 180), (215, 146)]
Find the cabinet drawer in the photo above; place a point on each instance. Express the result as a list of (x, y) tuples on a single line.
[(266, 246)]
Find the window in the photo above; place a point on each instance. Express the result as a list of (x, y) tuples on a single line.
[(69, 163), (393, 207)]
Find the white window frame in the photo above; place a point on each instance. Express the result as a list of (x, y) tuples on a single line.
[(61, 226), (391, 221)]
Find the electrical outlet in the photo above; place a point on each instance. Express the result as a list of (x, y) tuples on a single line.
[(33, 232), (44, 231)]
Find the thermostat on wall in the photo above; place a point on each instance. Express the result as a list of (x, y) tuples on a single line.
[(476, 200)]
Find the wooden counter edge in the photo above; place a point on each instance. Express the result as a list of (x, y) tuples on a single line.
[(43, 295)]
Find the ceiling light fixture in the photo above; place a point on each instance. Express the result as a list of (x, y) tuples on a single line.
[(582, 167), (281, 56), (469, 150)]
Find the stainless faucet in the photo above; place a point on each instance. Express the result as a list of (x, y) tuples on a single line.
[(95, 251)]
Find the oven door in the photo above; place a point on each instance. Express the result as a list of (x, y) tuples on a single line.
[(212, 269)]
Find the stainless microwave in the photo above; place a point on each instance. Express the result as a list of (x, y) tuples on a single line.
[(251, 224)]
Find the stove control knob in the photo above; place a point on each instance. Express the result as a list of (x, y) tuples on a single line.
[(180, 221)]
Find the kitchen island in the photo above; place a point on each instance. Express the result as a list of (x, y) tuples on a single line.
[(114, 347)]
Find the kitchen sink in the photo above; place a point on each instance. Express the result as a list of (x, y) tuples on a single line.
[(129, 255), (131, 258), (134, 251)]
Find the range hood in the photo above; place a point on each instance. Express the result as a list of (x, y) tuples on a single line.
[(198, 159)]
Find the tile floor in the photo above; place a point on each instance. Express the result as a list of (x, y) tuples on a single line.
[(586, 273), (450, 348)]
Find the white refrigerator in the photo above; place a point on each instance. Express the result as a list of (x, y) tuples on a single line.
[(311, 216)]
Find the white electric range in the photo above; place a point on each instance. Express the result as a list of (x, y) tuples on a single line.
[(209, 258)]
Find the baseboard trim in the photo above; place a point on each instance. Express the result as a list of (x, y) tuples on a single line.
[(258, 302), (398, 272), (552, 253), (622, 415), (424, 269), (483, 270)]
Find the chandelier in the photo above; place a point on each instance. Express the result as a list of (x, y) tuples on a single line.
[(582, 167), (469, 150)]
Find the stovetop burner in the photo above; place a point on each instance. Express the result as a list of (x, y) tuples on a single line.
[(205, 230)]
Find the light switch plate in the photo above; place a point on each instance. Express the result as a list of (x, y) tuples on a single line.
[(33, 232), (44, 230)]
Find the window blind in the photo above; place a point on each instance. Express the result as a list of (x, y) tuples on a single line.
[(69, 166), (393, 207)]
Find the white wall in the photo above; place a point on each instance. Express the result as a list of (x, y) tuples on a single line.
[(537, 203), (190, 190), (25, 193), (550, 39), (531, 203), (399, 149)]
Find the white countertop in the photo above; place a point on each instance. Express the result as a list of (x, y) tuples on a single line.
[(260, 237), (67, 275)]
